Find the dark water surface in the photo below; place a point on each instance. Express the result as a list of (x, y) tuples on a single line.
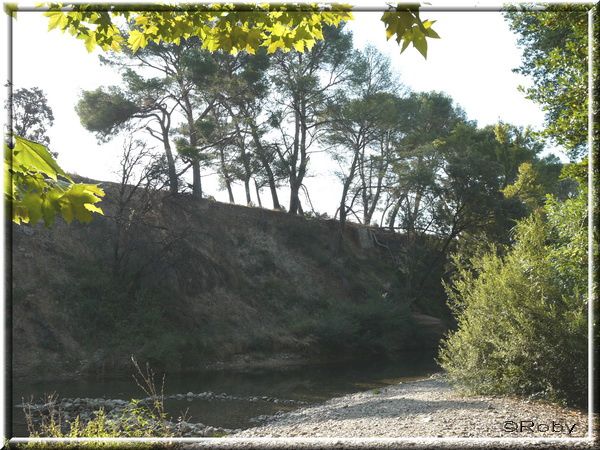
[(312, 384)]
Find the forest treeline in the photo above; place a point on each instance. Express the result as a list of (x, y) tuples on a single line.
[(412, 162)]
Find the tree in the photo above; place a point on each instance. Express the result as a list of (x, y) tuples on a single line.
[(231, 28), (221, 125), (526, 187), (430, 118), (447, 182), (190, 72), (144, 101), (555, 56), (517, 145), (537, 292), (140, 175), (358, 125), (242, 91), (305, 82), (30, 114)]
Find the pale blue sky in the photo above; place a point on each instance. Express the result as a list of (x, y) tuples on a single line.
[(472, 62)]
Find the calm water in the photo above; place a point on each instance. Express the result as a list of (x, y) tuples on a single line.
[(311, 384)]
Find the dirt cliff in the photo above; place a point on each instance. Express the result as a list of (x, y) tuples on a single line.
[(199, 283)]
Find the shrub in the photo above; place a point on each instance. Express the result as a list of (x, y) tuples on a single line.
[(522, 322), (137, 420), (375, 326)]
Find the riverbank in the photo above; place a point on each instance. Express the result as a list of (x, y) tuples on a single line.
[(428, 408), (421, 413)]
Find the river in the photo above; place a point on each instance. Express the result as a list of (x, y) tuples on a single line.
[(310, 384)]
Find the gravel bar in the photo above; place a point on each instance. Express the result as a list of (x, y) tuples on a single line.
[(426, 413)]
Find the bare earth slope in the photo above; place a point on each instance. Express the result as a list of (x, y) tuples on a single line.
[(203, 283)]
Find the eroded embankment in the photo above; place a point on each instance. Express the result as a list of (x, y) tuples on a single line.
[(193, 284)]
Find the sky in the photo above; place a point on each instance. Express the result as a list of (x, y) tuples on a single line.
[(472, 63)]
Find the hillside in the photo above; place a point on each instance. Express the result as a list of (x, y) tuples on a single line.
[(197, 284)]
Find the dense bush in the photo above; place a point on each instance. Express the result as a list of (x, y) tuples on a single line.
[(522, 317), (376, 326)]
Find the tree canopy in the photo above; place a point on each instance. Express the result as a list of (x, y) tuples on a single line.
[(30, 113), (225, 26), (555, 56), (231, 28), (542, 283)]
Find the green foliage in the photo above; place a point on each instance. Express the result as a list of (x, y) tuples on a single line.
[(405, 24), (138, 419), (555, 56), (224, 26), (228, 27), (31, 114), (375, 326), (522, 323), (526, 187), (104, 111), (37, 188)]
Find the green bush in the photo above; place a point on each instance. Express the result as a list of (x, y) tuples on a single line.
[(137, 420), (522, 317), (374, 326)]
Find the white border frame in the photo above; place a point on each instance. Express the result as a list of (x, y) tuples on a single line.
[(447, 442)]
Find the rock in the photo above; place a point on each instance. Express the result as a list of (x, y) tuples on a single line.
[(184, 427)]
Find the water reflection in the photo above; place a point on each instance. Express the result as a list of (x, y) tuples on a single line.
[(312, 384)]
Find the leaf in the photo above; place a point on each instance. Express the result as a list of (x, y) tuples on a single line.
[(32, 202), (153, 29), (299, 46), (253, 38), (50, 205), (35, 157), (141, 20), (75, 202), (90, 42), (57, 19), (33, 187), (11, 9), (137, 40), (420, 43)]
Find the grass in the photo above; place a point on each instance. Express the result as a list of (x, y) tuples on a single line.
[(137, 420)]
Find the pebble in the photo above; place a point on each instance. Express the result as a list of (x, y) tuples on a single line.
[(426, 408)]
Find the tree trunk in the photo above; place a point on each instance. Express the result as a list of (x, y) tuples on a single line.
[(381, 170), (196, 180), (394, 214), (294, 185), (257, 193), (173, 184), (346, 188), (193, 138), (246, 164), (303, 155), (226, 176), (247, 189), (272, 186), (263, 160), (294, 197), (229, 191)]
